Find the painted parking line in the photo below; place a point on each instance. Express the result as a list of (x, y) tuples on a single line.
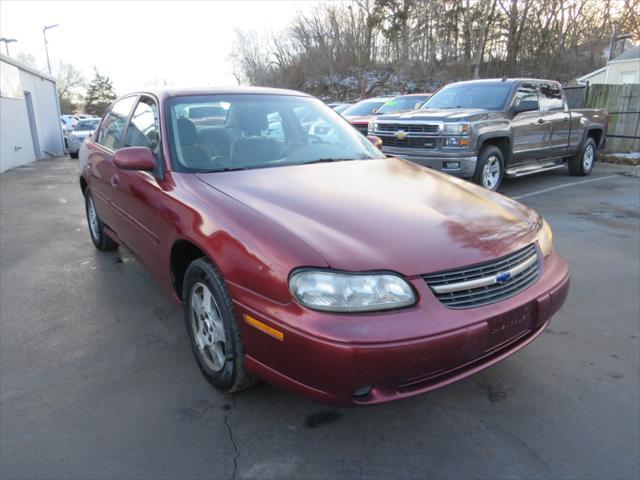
[(564, 185)]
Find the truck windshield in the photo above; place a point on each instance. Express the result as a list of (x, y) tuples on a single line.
[(259, 131), (470, 95)]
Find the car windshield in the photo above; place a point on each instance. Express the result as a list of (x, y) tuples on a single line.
[(365, 107), (489, 96), (260, 131), (87, 124), (401, 104)]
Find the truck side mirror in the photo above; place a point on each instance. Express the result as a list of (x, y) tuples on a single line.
[(526, 106)]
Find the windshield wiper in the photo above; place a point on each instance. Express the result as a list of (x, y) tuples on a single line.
[(225, 169)]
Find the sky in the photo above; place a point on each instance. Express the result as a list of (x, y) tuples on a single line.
[(138, 43)]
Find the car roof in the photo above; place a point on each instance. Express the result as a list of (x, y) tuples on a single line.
[(505, 80), (166, 93)]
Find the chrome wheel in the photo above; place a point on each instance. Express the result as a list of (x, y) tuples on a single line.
[(207, 326), (491, 172), (94, 226), (588, 158)]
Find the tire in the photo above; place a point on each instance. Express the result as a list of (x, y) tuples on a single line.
[(73, 155), (581, 164), (489, 168), (213, 331), (101, 240)]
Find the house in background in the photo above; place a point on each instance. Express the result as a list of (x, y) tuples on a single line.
[(29, 115), (625, 68)]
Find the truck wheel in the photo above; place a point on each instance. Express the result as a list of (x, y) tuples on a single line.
[(582, 163), (101, 240), (213, 331), (489, 168)]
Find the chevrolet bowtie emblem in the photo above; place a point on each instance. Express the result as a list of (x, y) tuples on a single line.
[(401, 134)]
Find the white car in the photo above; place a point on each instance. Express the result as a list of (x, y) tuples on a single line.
[(84, 128)]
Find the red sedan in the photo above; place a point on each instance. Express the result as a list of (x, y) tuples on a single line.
[(315, 264)]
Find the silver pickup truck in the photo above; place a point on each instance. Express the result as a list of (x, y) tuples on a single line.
[(488, 129)]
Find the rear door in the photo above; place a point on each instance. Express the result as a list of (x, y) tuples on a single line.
[(100, 157), (530, 132), (556, 115)]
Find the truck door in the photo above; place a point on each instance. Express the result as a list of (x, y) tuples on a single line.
[(530, 132), (556, 115)]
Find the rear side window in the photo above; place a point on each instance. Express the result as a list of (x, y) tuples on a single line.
[(111, 131), (551, 97), (527, 92), (143, 130)]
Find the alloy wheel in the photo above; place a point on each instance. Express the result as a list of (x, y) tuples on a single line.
[(491, 172), (208, 328), (94, 226), (588, 157)]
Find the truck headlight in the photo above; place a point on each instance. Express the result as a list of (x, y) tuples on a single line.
[(545, 238), (456, 142), (350, 292), (456, 129)]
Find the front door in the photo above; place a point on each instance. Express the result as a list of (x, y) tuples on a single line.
[(136, 194), (530, 132)]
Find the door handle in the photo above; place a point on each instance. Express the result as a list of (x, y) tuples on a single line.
[(115, 180), (541, 121)]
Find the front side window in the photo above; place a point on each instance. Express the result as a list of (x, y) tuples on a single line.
[(260, 131), (551, 97), (111, 131), (488, 96), (143, 130), (527, 93)]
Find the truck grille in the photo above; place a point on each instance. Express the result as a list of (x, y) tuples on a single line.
[(409, 142), (394, 127), (487, 282)]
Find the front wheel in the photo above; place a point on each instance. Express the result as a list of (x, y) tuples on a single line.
[(582, 163), (489, 168), (213, 331)]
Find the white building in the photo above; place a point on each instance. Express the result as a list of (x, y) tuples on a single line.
[(29, 115), (625, 68)]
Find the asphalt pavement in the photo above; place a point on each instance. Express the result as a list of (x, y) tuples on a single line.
[(97, 379)]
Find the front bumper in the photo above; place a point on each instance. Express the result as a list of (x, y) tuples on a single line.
[(437, 160), (400, 354)]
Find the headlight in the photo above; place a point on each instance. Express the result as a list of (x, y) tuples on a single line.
[(456, 142), (545, 238), (350, 292), (456, 128)]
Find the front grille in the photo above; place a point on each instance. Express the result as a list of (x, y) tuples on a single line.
[(394, 127), (362, 129), (476, 285), (409, 142)]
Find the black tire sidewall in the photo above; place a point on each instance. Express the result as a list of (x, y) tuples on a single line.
[(96, 241), (485, 153), (203, 271)]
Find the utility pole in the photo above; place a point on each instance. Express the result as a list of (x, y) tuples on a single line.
[(7, 41), (46, 47)]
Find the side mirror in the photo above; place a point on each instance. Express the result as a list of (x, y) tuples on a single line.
[(526, 106), (376, 141), (135, 158)]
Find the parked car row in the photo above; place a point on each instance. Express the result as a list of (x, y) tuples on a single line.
[(75, 129), (312, 260), (486, 130)]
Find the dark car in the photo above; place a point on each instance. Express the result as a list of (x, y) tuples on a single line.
[(403, 103), (486, 130), (362, 112), (320, 266)]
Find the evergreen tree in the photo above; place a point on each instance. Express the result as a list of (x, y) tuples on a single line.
[(100, 94)]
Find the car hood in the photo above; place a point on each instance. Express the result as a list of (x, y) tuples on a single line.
[(449, 114), (385, 214)]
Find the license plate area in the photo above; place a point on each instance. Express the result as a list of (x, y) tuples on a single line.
[(510, 325)]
